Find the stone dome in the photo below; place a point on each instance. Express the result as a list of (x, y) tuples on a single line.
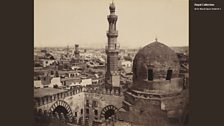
[(153, 62)]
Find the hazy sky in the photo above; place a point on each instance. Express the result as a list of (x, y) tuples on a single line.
[(84, 22)]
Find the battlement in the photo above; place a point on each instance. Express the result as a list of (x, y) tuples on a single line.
[(46, 99), (105, 91), (49, 98)]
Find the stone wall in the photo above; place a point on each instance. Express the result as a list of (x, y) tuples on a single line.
[(83, 103), (161, 86), (148, 113), (76, 103), (102, 101), (154, 110)]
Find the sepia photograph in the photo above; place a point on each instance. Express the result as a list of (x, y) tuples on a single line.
[(111, 63)]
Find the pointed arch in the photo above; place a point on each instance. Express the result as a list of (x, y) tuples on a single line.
[(63, 104), (109, 108)]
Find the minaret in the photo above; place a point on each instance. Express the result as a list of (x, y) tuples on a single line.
[(76, 59), (112, 50), (67, 49), (76, 52)]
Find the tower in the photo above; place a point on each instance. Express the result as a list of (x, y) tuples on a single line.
[(112, 50), (67, 51), (76, 59), (76, 52)]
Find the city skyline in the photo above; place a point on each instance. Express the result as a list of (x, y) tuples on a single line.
[(60, 23)]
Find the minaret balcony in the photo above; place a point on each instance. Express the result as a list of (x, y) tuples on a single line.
[(112, 16), (112, 33), (112, 48)]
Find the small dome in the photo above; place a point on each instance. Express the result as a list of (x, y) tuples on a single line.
[(112, 7), (156, 58)]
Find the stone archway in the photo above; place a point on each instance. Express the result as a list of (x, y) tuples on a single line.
[(108, 111), (61, 106)]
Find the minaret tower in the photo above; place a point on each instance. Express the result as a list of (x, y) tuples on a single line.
[(112, 50), (76, 59), (67, 49), (76, 52)]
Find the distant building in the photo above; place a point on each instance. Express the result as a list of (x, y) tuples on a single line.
[(76, 57), (56, 81), (47, 62), (47, 81), (69, 81), (86, 56), (38, 84), (76, 52), (76, 68), (86, 82), (126, 63)]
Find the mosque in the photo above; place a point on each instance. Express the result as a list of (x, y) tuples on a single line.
[(157, 96)]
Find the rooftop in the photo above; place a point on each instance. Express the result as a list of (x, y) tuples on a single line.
[(41, 92)]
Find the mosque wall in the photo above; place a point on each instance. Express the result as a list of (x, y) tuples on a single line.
[(103, 100), (76, 103), (163, 86), (154, 112), (146, 112)]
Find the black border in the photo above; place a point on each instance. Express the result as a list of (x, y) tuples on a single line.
[(206, 65), (17, 62)]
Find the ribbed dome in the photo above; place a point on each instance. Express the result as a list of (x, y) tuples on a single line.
[(157, 57)]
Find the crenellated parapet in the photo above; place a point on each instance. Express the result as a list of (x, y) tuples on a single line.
[(46, 99), (104, 91)]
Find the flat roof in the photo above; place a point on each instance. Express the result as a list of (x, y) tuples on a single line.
[(41, 92), (70, 78)]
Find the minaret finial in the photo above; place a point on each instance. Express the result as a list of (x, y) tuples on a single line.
[(112, 7), (156, 39)]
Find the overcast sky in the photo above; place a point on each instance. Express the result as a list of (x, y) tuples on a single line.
[(84, 22)]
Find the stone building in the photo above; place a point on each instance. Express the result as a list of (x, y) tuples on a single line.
[(157, 96)]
